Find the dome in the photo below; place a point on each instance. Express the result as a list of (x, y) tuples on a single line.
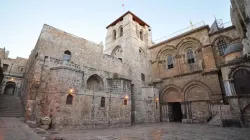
[(234, 47)]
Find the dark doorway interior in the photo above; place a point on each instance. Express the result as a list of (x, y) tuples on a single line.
[(10, 88), (177, 114)]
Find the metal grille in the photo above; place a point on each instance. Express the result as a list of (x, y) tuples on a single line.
[(222, 45), (190, 56)]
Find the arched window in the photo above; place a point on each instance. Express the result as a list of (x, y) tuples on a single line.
[(190, 56), (222, 45), (170, 62), (67, 55), (142, 77), (121, 31), (242, 81), (125, 102), (103, 102), (141, 35), (114, 34), (69, 99), (117, 52)]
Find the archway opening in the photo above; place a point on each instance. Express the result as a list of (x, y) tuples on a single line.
[(242, 81), (10, 88), (197, 104), (95, 83), (246, 115), (171, 106), (175, 113)]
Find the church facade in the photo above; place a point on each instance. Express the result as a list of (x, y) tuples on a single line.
[(193, 77)]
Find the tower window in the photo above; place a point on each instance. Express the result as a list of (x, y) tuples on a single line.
[(114, 34), (170, 63), (141, 35), (222, 45), (67, 55), (69, 99), (103, 102), (142, 77), (190, 56), (121, 31)]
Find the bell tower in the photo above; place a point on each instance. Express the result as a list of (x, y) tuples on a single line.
[(128, 39)]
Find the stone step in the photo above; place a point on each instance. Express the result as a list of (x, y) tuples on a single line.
[(11, 106)]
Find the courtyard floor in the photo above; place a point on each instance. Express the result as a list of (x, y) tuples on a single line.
[(159, 131), (15, 129)]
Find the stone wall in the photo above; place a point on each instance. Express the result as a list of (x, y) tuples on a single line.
[(238, 102), (92, 75), (13, 70), (150, 103)]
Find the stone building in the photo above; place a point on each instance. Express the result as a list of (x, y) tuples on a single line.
[(81, 84), (12, 71), (193, 77)]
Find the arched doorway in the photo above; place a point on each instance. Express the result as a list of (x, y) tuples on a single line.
[(197, 103), (242, 81), (171, 110), (10, 88), (246, 115)]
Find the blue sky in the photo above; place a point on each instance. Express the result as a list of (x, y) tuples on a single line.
[(21, 21)]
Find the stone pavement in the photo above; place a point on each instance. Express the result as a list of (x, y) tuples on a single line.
[(160, 131), (15, 129)]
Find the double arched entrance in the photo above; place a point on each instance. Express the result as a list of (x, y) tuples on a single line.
[(10, 88), (190, 104)]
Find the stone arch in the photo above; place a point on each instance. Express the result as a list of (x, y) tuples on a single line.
[(117, 52), (95, 83), (246, 114), (189, 42), (241, 79), (197, 102), (220, 44), (233, 70), (196, 91), (227, 38), (10, 88), (168, 49), (171, 93)]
